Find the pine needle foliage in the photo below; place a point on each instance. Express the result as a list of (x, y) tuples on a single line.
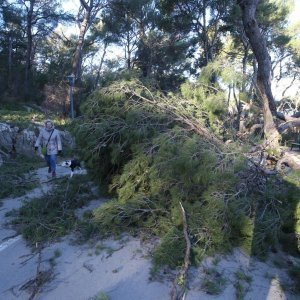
[(53, 215), (269, 209), (154, 151), (16, 176), (170, 252)]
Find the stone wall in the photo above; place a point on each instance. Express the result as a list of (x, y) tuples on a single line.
[(14, 140)]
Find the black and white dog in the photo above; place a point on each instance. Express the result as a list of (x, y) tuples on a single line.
[(72, 164)]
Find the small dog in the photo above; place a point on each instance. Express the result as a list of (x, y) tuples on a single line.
[(73, 164)]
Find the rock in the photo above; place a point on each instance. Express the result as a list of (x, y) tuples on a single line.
[(67, 139), (21, 141), (6, 134)]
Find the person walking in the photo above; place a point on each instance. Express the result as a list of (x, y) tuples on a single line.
[(49, 138)]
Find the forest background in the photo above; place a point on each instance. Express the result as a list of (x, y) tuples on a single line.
[(175, 107)]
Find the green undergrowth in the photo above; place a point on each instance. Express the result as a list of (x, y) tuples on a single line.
[(213, 282), (241, 284), (24, 118), (53, 215), (17, 176), (21, 118), (152, 159)]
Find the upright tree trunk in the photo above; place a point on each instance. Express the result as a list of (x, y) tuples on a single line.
[(29, 47), (128, 52), (76, 67), (244, 63), (260, 51), (205, 37), (10, 41), (100, 66)]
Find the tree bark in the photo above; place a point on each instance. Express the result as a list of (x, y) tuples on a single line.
[(91, 8), (10, 41), (260, 51), (244, 63), (84, 25), (128, 52), (29, 47), (100, 65)]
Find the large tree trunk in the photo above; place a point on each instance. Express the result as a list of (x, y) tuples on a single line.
[(90, 9), (260, 51), (84, 25)]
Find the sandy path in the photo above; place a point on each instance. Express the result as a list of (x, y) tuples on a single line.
[(117, 268)]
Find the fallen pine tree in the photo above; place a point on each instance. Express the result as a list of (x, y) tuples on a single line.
[(155, 151)]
